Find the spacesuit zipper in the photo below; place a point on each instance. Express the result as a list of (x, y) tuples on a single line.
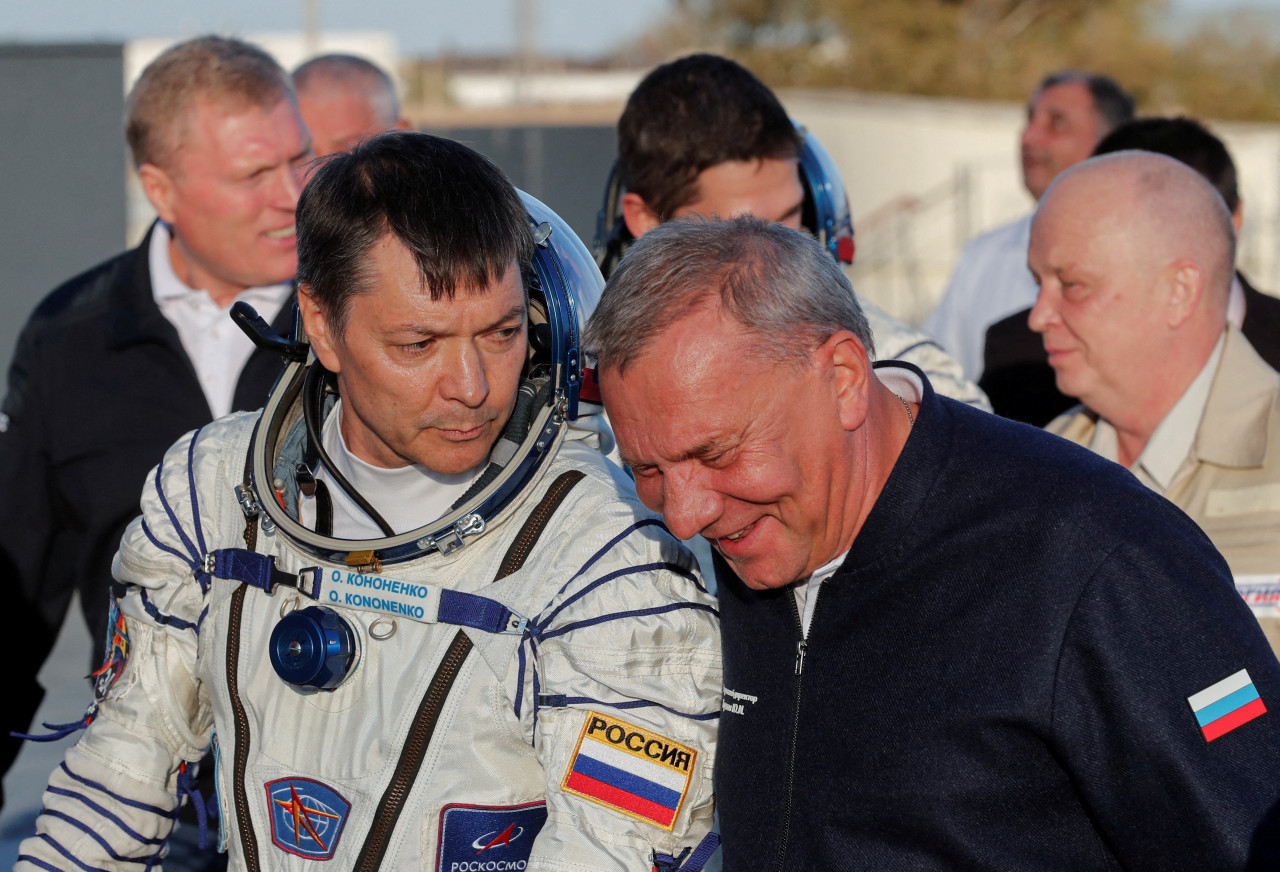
[(416, 743), (537, 521), (240, 796), (801, 649)]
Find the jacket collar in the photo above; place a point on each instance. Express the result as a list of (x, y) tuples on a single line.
[(136, 317), (1244, 393), (903, 495)]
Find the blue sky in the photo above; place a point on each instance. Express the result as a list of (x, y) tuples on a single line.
[(575, 27)]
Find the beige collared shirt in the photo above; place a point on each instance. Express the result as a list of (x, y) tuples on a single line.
[(1174, 437)]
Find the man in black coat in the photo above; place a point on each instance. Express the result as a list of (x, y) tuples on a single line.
[(950, 641), (117, 363), (1016, 373)]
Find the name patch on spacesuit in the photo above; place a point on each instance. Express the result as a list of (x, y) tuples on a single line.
[(380, 594), (1261, 593), (307, 817), (488, 838), (639, 773)]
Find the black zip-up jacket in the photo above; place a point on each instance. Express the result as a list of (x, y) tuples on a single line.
[(99, 388), (997, 678)]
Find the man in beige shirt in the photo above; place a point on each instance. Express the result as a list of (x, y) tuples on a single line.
[(1134, 255)]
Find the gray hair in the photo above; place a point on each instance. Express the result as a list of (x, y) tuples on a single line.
[(1114, 105), (777, 283), (348, 69)]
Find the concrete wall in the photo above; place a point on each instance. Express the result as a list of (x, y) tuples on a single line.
[(62, 194)]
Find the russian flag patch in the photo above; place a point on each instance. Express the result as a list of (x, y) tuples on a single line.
[(1222, 707), (639, 773)]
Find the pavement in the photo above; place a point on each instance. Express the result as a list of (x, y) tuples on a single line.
[(66, 696)]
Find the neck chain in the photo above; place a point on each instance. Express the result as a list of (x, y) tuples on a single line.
[(911, 419)]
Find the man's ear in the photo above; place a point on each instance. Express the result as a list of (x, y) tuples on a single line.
[(160, 190), (850, 376), (640, 219), (1185, 288), (318, 329), (1237, 216)]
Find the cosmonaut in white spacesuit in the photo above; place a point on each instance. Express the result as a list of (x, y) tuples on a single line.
[(423, 621)]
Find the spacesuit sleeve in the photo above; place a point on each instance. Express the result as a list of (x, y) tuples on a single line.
[(626, 693), (112, 802), (896, 341), (1161, 714)]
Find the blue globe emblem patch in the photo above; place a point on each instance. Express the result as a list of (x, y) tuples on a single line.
[(307, 817)]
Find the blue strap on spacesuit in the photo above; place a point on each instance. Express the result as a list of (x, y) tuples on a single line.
[(187, 787), (688, 860), (59, 731), (416, 601)]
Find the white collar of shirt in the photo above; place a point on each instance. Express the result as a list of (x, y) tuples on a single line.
[(1236, 304), (407, 497), (806, 590), (902, 382), (1172, 440), (216, 347), (910, 387), (167, 287)]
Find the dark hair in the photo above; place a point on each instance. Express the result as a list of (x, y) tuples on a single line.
[(692, 114), (1183, 139), (1114, 104), (781, 285), (452, 208)]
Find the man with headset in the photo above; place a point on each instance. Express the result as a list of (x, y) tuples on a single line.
[(423, 621), (703, 136)]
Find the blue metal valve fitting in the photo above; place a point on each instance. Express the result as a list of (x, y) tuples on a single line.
[(313, 648)]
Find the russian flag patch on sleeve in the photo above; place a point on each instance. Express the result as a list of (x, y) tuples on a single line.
[(1222, 707), (624, 767)]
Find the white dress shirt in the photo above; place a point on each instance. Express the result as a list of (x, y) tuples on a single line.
[(990, 282), (217, 347)]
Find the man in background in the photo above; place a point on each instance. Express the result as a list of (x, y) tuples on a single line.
[(703, 136), (121, 360), (1017, 376), (1066, 116), (345, 100), (1135, 254)]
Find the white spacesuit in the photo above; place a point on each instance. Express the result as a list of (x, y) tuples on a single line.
[(530, 682)]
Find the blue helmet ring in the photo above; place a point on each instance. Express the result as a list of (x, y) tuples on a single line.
[(564, 288), (826, 210), (571, 285)]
